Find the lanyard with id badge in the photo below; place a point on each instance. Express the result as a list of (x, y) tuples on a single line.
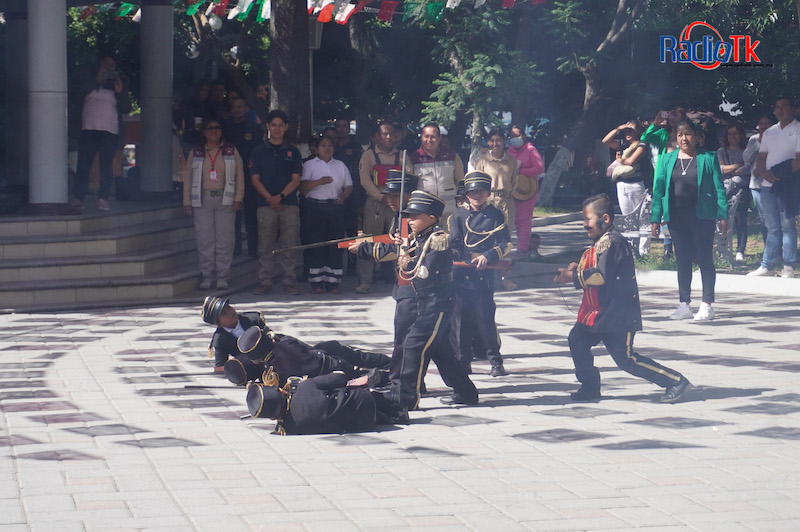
[(212, 174)]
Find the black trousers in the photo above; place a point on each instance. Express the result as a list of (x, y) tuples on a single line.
[(620, 347), (693, 239), (353, 356), (474, 328), (738, 217), (247, 215), (429, 339), (320, 222), (405, 314)]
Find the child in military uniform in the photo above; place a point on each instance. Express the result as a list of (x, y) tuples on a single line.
[(427, 262), (326, 404), (479, 236), (610, 311), (230, 326)]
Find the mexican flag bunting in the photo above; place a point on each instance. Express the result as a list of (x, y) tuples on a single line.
[(452, 4), (266, 11), (314, 6), (508, 3), (479, 3), (219, 7), (138, 16), (434, 11), (387, 10), (338, 7)]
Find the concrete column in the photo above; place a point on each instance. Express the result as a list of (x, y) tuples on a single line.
[(47, 103), (154, 156), (16, 90)]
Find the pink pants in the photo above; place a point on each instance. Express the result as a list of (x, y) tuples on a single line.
[(522, 221)]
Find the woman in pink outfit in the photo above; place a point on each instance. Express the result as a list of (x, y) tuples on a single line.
[(530, 167)]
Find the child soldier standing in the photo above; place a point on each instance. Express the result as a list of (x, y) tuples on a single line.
[(610, 310), (479, 236)]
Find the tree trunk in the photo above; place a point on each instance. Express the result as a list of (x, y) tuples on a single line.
[(477, 138), (290, 80)]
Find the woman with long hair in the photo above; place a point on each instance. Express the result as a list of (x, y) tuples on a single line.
[(689, 195), (736, 177), (212, 193)]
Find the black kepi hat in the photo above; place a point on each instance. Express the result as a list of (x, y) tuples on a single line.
[(212, 308), (265, 401), (477, 181), (394, 180), (425, 203), (257, 344), (460, 192), (241, 370)]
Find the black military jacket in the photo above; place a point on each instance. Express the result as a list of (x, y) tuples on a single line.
[(223, 343), (607, 275), (380, 252), (474, 233), (325, 404), (430, 261)]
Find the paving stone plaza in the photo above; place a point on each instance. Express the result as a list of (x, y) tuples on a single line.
[(94, 438)]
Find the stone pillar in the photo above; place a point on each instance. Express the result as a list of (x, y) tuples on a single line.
[(16, 90), (47, 103), (154, 155)]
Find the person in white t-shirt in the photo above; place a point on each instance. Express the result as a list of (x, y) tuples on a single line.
[(779, 143), (325, 184)]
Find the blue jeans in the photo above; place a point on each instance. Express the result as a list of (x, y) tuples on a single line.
[(779, 229)]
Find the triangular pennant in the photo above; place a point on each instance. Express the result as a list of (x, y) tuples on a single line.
[(479, 3), (87, 12), (434, 11), (314, 6), (219, 7), (124, 9), (194, 8), (408, 9), (245, 9), (326, 13), (138, 16), (452, 4), (338, 7), (343, 17), (266, 11), (508, 3), (386, 11), (538, 2)]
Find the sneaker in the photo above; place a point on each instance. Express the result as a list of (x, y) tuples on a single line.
[(102, 205), (509, 285), (760, 272), (205, 284), (222, 284), (585, 395), (788, 272), (739, 257), (76, 204), (363, 289), (498, 370), (291, 290), (683, 312), (263, 290), (705, 313), (676, 392)]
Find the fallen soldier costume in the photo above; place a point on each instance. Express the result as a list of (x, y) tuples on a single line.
[(230, 326), (288, 356), (321, 405)]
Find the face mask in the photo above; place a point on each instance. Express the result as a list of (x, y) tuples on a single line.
[(516, 142)]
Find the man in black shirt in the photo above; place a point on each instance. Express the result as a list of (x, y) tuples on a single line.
[(275, 168)]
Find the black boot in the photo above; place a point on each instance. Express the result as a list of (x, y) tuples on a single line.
[(667, 250)]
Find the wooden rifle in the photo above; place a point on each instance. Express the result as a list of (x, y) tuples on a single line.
[(499, 265), (341, 242)]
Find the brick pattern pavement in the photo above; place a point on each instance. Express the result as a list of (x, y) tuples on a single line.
[(93, 438)]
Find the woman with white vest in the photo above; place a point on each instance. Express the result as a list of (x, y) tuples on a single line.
[(212, 193)]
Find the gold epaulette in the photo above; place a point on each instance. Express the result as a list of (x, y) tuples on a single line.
[(439, 241), (603, 244)]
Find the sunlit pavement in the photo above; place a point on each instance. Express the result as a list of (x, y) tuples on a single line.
[(93, 438)]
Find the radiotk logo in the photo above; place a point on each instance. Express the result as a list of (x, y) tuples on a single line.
[(708, 52)]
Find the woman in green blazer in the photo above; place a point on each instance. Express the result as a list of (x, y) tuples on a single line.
[(689, 195)]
